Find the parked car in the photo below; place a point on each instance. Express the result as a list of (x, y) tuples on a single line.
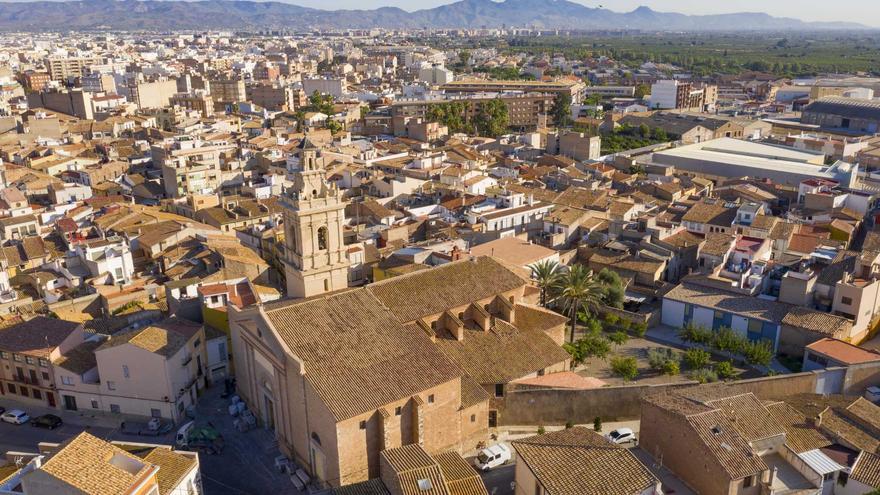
[(492, 457), (621, 436), (47, 421), (15, 416)]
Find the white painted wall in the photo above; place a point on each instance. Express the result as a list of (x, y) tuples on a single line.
[(672, 313)]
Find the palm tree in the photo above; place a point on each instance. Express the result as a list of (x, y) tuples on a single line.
[(546, 274), (578, 290)]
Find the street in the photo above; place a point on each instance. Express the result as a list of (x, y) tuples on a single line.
[(499, 480), (244, 467)]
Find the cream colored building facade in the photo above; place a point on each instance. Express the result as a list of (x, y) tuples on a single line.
[(314, 214)]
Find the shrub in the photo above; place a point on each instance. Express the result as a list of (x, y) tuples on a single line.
[(569, 425), (541, 430), (625, 367), (758, 353), (726, 339), (670, 368), (725, 370), (619, 337), (611, 319), (695, 334), (696, 358), (624, 324), (638, 329), (704, 375), (597, 424), (657, 357)]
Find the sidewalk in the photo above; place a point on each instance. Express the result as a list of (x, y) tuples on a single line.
[(87, 418)]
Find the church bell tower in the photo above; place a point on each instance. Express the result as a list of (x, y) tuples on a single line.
[(314, 214)]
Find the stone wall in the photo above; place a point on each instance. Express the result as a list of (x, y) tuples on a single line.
[(529, 406)]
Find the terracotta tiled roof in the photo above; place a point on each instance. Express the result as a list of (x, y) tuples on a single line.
[(371, 487), (461, 479), (36, 337), (429, 292), (800, 436), (356, 354), (725, 443), (749, 416), (90, 465), (843, 352), (867, 469), (173, 467), (503, 353), (577, 461)]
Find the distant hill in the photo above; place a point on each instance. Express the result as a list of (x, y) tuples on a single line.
[(213, 14)]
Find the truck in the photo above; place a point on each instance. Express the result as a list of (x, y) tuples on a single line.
[(202, 438)]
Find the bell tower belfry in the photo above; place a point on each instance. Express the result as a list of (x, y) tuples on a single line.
[(314, 214)]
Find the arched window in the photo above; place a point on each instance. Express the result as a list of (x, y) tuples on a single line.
[(322, 238)]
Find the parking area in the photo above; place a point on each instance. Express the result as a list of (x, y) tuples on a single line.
[(245, 467)]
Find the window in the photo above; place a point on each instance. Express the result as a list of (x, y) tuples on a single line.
[(363, 425), (114, 408), (4, 355), (16, 357), (499, 390), (828, 476), (37, 394), (66, 380), (125, 371), (24, 391), (111, 385), (398, 410), (842, 478), (45, 376), (747, 482), (94, 404), (197, 343), (155, 413), (431, 399), (44, 363), (11, 388), (473, 418), (322, 238), (846, 300)]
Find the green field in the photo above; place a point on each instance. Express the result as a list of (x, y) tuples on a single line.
[(787, 54)]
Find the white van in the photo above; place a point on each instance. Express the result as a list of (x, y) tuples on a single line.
[(494, 456)]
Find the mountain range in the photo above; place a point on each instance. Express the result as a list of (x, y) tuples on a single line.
[(154, 15)]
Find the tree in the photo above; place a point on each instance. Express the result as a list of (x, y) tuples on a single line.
[(625, 367), (578, 290), (597, 424), (333, 125), (758, 353), (561, 110), (492, 119), (588, 346), (642, 90), (321, 103), (696, 358), (614, 292), (546, 274)]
